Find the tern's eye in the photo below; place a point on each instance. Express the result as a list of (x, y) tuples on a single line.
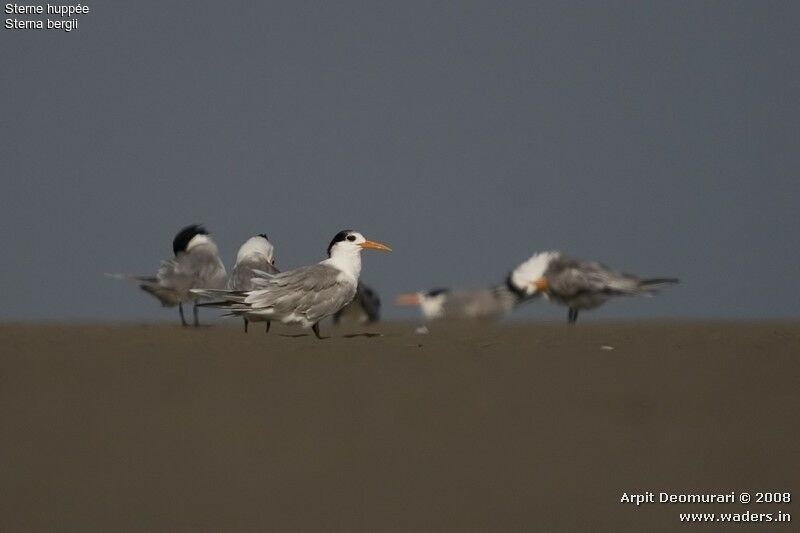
[(351, 238)]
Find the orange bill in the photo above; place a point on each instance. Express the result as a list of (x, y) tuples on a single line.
[(407, 299), (375, 246), (540, 284)]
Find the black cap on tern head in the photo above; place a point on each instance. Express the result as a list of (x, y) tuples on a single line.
[(181, 240), (437, 292), (342, 235), (263, 235)]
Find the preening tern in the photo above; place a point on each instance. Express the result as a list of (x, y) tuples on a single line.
[(256, 254), (491, 302), (196, 265), (581, 284)]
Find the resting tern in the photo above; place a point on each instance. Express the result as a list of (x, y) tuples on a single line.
[(307, 294), (365, 307), (491, 302), (196, 264), (256, 254), (581, 284)]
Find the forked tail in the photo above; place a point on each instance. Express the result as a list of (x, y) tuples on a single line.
[(654, 284), (221, 297), (150, 285), (130, 277)]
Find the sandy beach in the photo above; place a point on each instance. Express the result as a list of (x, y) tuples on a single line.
[(488, 427)]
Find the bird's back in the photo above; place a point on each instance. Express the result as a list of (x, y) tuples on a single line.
[(244, 271), (202, 266), (306, 294), (474, 303), (570, 277)]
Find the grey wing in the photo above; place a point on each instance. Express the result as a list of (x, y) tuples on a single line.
[(478, 303), (313, 292), (243, 273), (166, 285), (170, 275), (573, 278), (261, 276), (154, 285), (202, 267)]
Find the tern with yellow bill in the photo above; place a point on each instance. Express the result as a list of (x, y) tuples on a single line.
[(581, 284), (488, 303), (304, 295)]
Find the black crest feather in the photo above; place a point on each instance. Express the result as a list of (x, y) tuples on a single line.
[(437, 292), (342, 235), (519, 293), (181, 240)]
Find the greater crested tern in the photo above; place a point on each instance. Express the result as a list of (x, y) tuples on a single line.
[(256, 254), (196, 265), (491, 302), (304, 295), (581, 284)]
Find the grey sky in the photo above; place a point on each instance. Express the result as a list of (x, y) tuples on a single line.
[(659, 138)]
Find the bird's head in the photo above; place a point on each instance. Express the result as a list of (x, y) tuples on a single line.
[(189, 237), (349, 241), (528, 278), (257, 245), (430, 302)]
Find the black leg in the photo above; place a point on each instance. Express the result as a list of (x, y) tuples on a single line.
[(245, 324), (180, 311), (315, 329), (336, 319), (572, 317), (196, 313), (268, 325)]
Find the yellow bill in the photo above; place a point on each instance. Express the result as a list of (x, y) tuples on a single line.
[(540, 284), (372, 245), (407, 299)]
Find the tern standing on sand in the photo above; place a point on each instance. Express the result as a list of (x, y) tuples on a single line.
[(256, 254), (307, 294), (582, 284), (196, 264)]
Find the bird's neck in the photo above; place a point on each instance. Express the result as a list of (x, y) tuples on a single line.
[(255, 246), (511, 287), (432, 307), (346, 260), (199, 241)]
